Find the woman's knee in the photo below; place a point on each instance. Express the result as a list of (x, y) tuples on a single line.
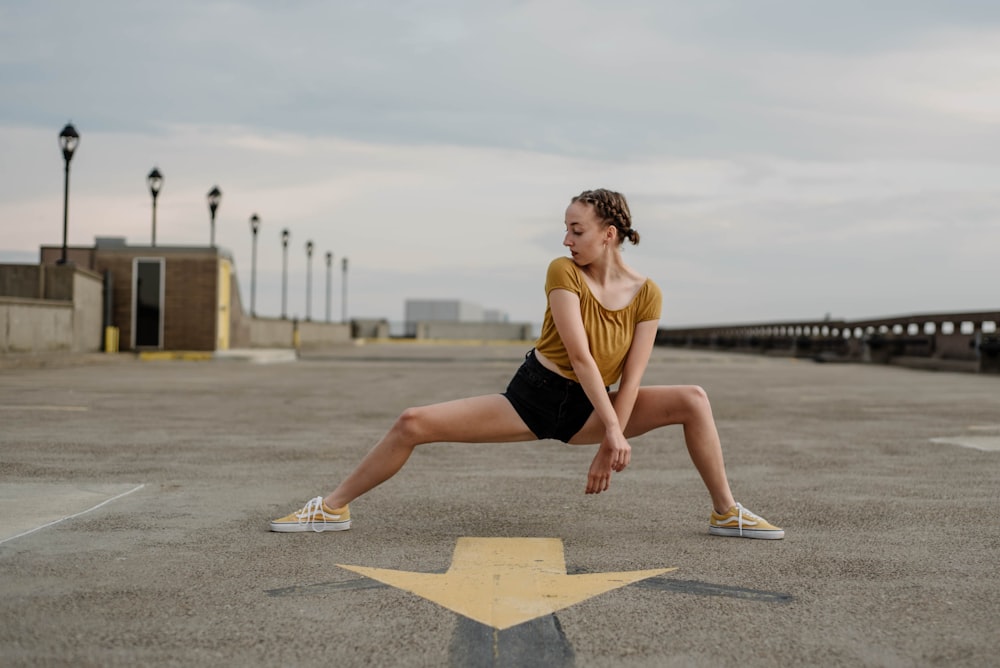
[(696, 400), (411, 425)]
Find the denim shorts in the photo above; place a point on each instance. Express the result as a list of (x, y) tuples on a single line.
[(551, 405)]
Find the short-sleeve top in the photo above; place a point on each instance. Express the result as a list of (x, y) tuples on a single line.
[(609, 332)]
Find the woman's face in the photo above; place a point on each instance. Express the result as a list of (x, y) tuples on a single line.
[(586, 235)]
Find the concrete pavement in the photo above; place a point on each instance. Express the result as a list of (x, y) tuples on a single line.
[(135, 495)]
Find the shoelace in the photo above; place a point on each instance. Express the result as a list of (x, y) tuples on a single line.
[(308, 514), (739, 513)]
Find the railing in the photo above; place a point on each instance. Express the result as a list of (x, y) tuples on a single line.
[(958, 341)]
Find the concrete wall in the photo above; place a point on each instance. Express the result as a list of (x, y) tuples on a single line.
[(88, 312), (269, 333), (489, 331), (323, 334), (278, 333), (50, 308), (35, 326)]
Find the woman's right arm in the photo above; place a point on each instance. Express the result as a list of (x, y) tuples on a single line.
[(615, 453)]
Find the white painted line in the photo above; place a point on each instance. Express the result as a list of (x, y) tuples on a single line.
[(69, 517), (984, 443), (43, 408)]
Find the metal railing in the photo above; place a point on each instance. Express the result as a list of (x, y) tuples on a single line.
[(961, 341)]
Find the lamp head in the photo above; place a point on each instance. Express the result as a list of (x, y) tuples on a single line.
[(68, 140), (155, 181), (214, 196)]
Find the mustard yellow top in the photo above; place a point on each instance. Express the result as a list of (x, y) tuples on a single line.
[(609, 332)]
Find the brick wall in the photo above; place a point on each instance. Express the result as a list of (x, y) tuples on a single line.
[(190, 294), (191, 308)]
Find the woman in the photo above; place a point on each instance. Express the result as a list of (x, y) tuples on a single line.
[(599, 329)]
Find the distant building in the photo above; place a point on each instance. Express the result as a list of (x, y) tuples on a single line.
[(446, 310)]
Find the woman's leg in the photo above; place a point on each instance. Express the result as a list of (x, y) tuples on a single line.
[(484, 419), (687, 405)]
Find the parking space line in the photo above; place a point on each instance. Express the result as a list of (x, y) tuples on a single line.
[(14, 407), (69, 517)]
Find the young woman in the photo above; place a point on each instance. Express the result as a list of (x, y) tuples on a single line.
[(599, 329)]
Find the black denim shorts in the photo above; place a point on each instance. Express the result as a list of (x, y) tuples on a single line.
[(551, 405)]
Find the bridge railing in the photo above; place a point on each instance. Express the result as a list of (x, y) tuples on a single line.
[(968, 341)]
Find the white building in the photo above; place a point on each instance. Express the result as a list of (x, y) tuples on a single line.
[(447, 310)]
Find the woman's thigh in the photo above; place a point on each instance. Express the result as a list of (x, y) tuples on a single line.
[(485, 419), (655, 406)]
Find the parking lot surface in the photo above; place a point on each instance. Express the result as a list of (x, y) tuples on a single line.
[(135, 498)]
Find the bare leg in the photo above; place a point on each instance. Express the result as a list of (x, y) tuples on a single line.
[(485, 419), (687, 405)]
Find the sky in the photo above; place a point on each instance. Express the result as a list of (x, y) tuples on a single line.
[(783, 159)]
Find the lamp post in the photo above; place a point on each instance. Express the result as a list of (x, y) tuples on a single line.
[(285, 234), (254, 226), (343, 291), (309, 273), (155, 181), (214, 196), (329, 263), (68, 139)]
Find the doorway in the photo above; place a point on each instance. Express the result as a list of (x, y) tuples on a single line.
[(147, 302)]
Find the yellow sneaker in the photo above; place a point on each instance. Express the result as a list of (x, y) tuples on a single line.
[(742, 523), (315, 516)]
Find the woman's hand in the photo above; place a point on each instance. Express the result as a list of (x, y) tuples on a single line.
[(614, 454)]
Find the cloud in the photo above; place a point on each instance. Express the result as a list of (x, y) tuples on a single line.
[(782, 159)]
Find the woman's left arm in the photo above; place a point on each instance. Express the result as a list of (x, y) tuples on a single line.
[(635, 365)]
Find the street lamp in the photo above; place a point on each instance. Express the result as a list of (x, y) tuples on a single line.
[(155, 181), (309, 263), (329, 263), (68, 139), (254, 226), (343, 289), (214, 195), (285, 235)]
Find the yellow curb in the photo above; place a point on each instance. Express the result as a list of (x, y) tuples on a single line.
[(186, 355)]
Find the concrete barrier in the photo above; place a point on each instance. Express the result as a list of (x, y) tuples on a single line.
[(35, 326), (278, 333), (486, 331), (948, 341), (49, 308)]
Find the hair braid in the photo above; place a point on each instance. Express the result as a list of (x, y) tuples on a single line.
[(612, 208)]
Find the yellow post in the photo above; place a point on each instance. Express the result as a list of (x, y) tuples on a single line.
[(110, 339)]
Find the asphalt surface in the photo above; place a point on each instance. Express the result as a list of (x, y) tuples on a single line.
[(135, 498)]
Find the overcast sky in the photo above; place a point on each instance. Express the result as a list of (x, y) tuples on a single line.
[(784, 159)]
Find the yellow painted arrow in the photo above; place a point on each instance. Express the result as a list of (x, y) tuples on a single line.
[(503, 582)]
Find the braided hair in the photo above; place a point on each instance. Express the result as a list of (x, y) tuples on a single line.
[(612, 208)]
